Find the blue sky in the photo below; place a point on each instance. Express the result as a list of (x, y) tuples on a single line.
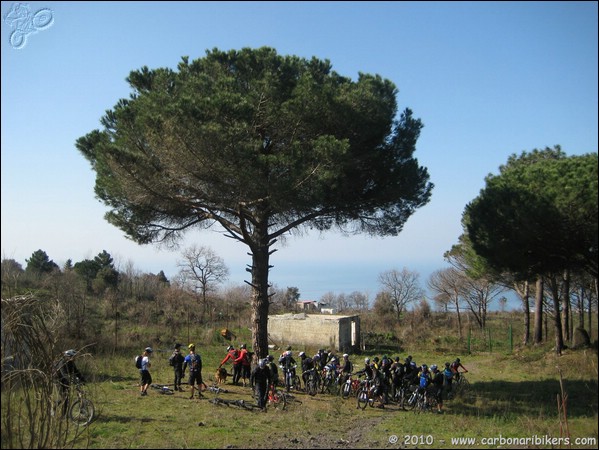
[(487, 79)]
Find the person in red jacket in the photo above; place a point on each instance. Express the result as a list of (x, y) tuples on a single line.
[(232, 355), (244, 360)]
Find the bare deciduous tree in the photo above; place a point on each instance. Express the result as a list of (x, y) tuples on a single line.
[(403, 288), (447, 283), (203, 270)]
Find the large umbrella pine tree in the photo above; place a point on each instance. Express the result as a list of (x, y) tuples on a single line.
[(261, 145)]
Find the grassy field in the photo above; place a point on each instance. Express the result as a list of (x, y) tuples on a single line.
[(512, 397)]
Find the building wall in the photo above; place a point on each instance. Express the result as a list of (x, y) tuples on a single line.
[(327, 331)]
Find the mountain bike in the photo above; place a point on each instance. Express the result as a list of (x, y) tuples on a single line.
[(237, 403), (82, 410), (165, 390), (350, 386), (461, 384), (292, 380), (312, 382), (365, 395), (401, 394), (276, 398), (329, 381), (217, 390)]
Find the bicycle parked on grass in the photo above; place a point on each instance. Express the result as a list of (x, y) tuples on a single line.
[(163, 389)]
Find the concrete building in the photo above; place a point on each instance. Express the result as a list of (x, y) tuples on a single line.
[(341, 333)]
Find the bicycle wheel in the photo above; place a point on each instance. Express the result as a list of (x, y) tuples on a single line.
[(402, 398), (311, 387), (279, 400), (297, 383), (363, 399), (346, 390), (412, 401), (82, 412)]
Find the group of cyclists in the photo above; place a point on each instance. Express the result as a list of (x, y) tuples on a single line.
[(386, 374)]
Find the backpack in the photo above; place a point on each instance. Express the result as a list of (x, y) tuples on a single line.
[(423, 380), (138, 360), (171, 360), (194, 362)]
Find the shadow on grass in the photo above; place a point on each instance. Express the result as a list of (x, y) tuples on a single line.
[(114, 418), (532, 398), (101, 377)]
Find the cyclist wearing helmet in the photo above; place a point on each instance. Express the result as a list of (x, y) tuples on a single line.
[(274, 371), (424, 377), (232, 355), (243, 360), (367, 371), (67, 374), (323, 358), (411, 373), (346, 368), (437, 380), (260, 380), (288, 364), (455, 368), (146, 378), (307, 366), (194, 361), (448, 378)]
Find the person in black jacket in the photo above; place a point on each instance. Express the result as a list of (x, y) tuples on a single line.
[(176, 361), (260, 380), (67, 374)]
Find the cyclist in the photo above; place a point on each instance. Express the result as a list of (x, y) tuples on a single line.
[(232, 355), (330, 372), (455, 368), (307, 366), (245, 364), (194, 361), (274, 371), (411, 375), (367, 370), (176, 361), (260, 380), (67, 374), (322, 359), (288, 365), (448, 378), (146, 378), (437, 380), (346, 368)]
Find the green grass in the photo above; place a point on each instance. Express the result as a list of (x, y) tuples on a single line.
[(512, 396)]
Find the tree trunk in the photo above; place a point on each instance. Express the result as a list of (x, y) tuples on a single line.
[(538, 330), (457, 308), (566, 308), (525, 296), (559, 337), (260, 298), (580, 306)]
